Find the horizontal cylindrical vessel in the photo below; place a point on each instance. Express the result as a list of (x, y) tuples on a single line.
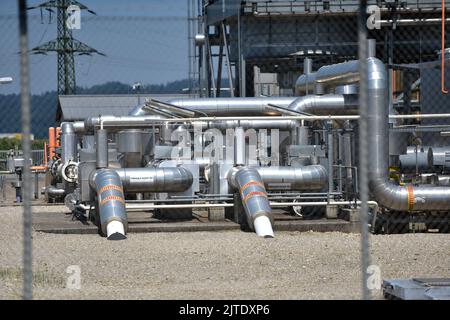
[(312, 177), (420, 158), (111, 203), (441, 156), (175, 179)]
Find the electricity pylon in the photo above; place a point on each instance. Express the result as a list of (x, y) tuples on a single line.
[(64, 45)]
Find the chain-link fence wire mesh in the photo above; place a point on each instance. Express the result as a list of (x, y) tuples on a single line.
[(253, 49)]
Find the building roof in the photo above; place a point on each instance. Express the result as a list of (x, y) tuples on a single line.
[(79, 107)]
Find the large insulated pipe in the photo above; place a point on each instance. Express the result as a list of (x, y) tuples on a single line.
[(328, 77), (312, 177), (101, 138), (54, 192), (334, 104), (233, 106), (175, 179), (68, 142), (111, 203), (388, 194), (239, 147), (254, 200), (224, 106), (119, 122)]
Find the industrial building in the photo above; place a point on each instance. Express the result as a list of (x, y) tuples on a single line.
[(286, 136)]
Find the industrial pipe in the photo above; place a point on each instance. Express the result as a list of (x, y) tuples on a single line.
[(111, 203), (254, 200), (223, 106), (54, 192), (68, 142), (329, 104), (328, 77), (101, 138), (388, 194), (232, 106), (312, 177), (51, 142), (161, 179)]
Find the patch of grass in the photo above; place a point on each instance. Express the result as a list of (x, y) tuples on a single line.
[(41, 278)]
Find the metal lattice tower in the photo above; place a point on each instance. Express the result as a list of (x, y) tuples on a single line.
[(65, 45), (193, 27)]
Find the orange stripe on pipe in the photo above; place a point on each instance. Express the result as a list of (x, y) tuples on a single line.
[(254, 194), (410, 190), (112, 198), (251, 183), (110, 187)]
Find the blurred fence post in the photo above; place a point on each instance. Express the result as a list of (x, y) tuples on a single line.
[(363, 147), (26, 145)]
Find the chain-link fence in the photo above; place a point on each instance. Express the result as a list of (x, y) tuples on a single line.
[(333, 112)]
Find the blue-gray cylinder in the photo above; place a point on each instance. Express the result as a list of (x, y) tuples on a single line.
[(253, 194), (111, 200)]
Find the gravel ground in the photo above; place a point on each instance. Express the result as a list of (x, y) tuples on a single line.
[(211, 265)]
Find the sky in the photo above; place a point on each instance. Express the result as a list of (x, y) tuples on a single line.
[(144, 41)]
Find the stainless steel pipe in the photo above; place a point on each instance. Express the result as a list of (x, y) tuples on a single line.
[(388, 194), (111, 203), (68, 142), (329, 104), (254, 200), (101, 138), (312, 177), (224, 106), (175, 179)]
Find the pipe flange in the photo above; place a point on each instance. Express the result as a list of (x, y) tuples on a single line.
[(69, 171)]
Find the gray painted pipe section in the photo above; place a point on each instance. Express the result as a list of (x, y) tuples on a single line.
[(421, 158), (312, 177), (54, 192), (111, 203), (440, 156), (145, 121), (251, 124), (334, 104), (233, 106), (388, 194), (254, 200), (120, 122), (175, 179), (328, 76), (224, 106), (68, 142), (101, 137), (239, 147)]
